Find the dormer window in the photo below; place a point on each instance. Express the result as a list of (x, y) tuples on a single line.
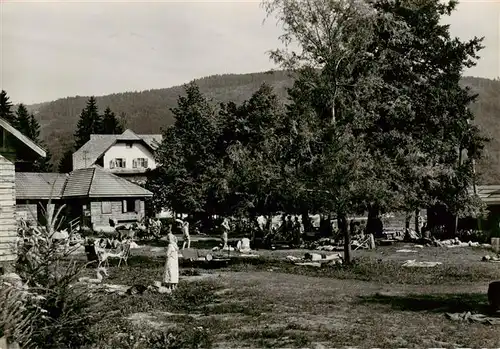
[(140, 163), (117, 163)]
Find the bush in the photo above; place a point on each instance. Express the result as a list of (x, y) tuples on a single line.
[(46, 309)]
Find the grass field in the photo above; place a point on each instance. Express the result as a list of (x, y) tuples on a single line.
[(270, 303)]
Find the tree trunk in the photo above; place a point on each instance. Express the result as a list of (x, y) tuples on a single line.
[(344, 229), (417, 221), (329, 226), (306, 221), (407, 221), (373, 225)]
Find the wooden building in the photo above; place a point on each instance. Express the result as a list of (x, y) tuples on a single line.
[(490, 195), (14, 146), (92, 195), (35, 191)]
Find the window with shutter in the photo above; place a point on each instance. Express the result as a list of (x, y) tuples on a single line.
[(129, 206), (145, 163), (134, 163), (112, 164), (106, 207), (137, 206)]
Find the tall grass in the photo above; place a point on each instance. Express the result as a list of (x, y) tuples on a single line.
[(45, 309)]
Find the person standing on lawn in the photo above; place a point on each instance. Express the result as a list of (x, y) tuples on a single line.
[(225, 231), (186, 239), (171, 273)]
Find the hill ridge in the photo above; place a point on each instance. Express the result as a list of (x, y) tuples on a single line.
[(148, 111)]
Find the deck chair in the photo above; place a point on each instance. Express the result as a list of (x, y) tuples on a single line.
[(122, 254), (102, 256), (363, 244)]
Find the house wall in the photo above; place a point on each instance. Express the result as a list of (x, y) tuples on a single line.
[(8, 226), (100, 219), (27, 210), (120, 150)]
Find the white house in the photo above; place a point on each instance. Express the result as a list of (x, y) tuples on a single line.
[(127, 155)]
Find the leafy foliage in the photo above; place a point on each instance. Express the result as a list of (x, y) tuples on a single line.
[(250, 142), (53, 312), (186, 159), (378, 90)]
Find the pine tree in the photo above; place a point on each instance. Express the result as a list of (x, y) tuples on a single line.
[(6, 112), (110, 124), (90, 122), (43, 164), (25, 123), (66, 162), (29, 126)]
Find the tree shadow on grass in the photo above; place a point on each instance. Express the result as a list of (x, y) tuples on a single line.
[(437, 303)]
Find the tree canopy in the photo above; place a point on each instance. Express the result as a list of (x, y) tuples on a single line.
[(376, 120)]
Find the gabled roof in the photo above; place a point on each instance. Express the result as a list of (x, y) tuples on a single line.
[(84, 183), (97, 183), (28, 142), (91, 151), (43, 186), (128, 135)]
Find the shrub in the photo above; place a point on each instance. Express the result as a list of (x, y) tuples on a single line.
[(45, 308)]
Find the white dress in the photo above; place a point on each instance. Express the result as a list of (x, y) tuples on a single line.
[(171, 275)]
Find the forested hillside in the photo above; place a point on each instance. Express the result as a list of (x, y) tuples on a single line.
[(149, 111)]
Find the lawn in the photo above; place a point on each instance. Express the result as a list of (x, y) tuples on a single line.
[(270, 303)]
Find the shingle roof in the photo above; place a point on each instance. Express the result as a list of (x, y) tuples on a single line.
[(91, 151), (128, 135), (106, 184), (97, 183), (30, 185), (79, 183), (88, 182)]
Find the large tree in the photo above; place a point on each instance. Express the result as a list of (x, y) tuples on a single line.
[(186, 178), (425, 68), (250, 143), (6, 111), (110, 123), (366, 107), (90, 122)]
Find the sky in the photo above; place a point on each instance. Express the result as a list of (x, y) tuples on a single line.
[(56, 49)]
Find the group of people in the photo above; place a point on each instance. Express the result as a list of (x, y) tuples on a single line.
[(292, 228)]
